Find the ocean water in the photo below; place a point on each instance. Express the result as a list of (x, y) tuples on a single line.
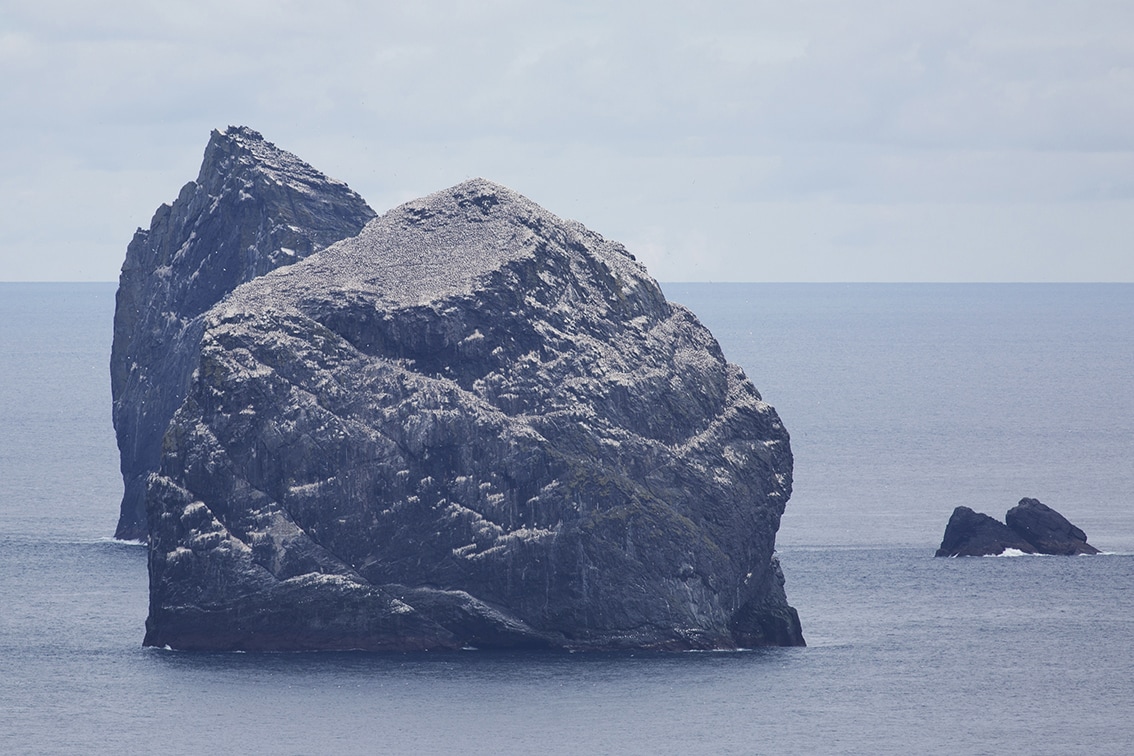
[(903, 401)]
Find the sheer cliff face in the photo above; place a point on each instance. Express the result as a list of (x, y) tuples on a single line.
[(472, 424), (253, 208)]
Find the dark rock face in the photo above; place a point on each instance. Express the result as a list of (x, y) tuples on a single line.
[(1032, 528), (474, 424), (1047, 530), (972, 533), (252, 209)]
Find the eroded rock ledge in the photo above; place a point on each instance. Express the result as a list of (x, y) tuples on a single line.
[(472, 424)]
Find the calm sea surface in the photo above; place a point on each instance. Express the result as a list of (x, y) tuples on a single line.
[(903, 401)]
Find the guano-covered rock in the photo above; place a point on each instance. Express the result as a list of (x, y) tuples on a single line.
[(472, 424)]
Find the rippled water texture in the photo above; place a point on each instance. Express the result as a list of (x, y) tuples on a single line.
[(903, 402)]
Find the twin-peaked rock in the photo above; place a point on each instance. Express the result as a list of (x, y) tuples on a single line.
[(1032, 528), (472, 424)]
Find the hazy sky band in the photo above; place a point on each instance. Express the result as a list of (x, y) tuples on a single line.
[(756, 141)]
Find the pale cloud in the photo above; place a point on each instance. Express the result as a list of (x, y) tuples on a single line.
[(819, 140)]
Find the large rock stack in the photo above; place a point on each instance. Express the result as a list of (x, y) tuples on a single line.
[(472, 424)]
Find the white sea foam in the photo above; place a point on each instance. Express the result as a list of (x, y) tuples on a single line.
[(118, 541)]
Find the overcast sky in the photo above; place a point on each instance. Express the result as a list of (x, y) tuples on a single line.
[(818, 140)]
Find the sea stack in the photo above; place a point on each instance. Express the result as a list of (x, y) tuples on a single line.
[(1032, 528), (473, 424)]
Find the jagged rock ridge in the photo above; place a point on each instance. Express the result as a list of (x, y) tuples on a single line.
[(472, 424), (253, 208)]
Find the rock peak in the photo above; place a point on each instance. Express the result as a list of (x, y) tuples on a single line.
[(476, 199), (238, 133), (449, 243), (239, 158)]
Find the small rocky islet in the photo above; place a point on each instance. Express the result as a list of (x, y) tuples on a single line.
[(465, 422), (1030, 527)]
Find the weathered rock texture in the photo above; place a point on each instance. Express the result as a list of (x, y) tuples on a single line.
[(253, 208), (1032, 527), (474, 424)]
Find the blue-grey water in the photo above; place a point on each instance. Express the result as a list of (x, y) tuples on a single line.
[(903, 401)]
